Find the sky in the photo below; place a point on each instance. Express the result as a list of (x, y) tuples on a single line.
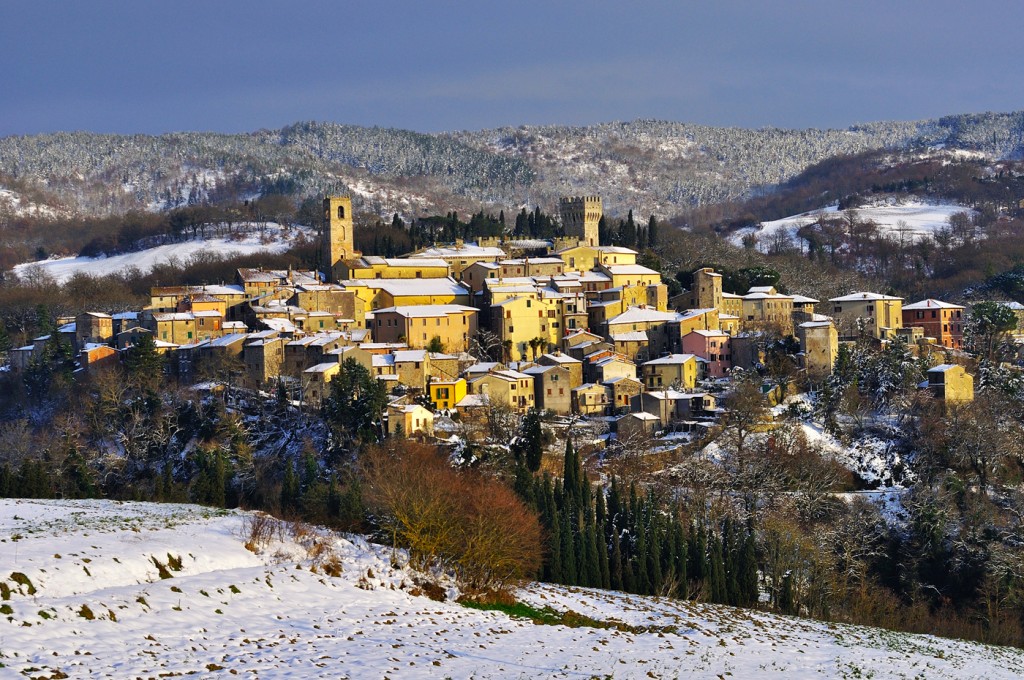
[(236, 66)]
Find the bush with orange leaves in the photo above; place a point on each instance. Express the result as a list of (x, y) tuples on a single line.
[(473, 525)]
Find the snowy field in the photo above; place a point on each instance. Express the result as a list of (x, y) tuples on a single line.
[(275, 239), (914, 218), (107, 589)]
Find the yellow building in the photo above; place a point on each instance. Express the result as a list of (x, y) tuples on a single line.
[(380, 293), (452, 325), (524, 319), (951, 383), (764, 307), (374, 267), (263, 356), (461, 255), (676, 370), (867, 315), (506, 387), (316, 382), (337, 237), (93, 327), (410, 420), (583, 258), (445, 394)]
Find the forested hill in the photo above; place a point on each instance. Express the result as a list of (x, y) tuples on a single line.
[(652, 166)]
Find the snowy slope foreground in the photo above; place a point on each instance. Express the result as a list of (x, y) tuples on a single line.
[(274, 239), (85, 598), (910, 219)]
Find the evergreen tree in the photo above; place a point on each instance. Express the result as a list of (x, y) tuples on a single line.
[(643, 581), (615, 563), (289, 489), (652, 232), (602, 556), (568, 551), (533, 435), (748, 572), (716, 570), (654, 560)]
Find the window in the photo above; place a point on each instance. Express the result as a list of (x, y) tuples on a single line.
[(341, 212), (933, 314)]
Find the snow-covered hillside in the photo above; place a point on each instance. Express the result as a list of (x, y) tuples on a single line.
[(108, 589), (269, 238), (911, 218)]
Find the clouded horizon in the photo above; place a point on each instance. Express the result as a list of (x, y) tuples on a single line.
[(139, 67)]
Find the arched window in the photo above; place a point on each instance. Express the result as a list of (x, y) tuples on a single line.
[(341, 212)]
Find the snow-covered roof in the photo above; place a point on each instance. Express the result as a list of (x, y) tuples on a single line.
[(942, 368), (863, 296), (642, 315), (804, 300), (405, 355), (627, 269), (629, 336), (419, 311), (671, 360), (562, 358), (930, 303), (452, 252), (708, 334)]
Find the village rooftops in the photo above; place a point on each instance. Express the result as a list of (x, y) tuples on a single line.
[(863, 296), (406, 355), (930, 303), (561, 358), (445, 286)]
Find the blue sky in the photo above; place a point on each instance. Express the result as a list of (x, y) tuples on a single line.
[(232, 66)]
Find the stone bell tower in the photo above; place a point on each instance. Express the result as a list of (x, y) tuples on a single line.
[(337, 242)]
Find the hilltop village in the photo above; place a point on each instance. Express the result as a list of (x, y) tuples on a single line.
[(567, 326)]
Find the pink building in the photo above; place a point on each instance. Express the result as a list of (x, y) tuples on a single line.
[(712, 346)]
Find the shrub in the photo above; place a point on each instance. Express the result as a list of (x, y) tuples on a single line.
[(459, 520)]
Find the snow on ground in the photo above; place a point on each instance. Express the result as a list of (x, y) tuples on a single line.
[(275, 239), (920, 219), (86, 600)]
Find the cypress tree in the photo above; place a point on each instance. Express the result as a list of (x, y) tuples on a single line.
[(729, 564), (748, 572), (654, 560), (680, 561), (716, 570), (533, 445), (553, 565), (593, 558), (568, 551), (787, 603), (615, 563), (652, 232), (570, 474), (643, 581), (602, 556)]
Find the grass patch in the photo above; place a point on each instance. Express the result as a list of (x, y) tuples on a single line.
[(23, 580), (5, 591), (86, 613), (6, 610), (547, 616), (161, 568)]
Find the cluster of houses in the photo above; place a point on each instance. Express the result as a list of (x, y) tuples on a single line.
[(568, 326)]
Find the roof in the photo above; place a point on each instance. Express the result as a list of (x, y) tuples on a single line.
[(403, 355), (418, 311), (671, 360), (626, 269), (642, 315), (863, 296), (450, 252), (804, 300), (621, 250), (930, 303), (709, 334), (630, 336), (642, 415), (561, 358), (942, 368), (324, 367)]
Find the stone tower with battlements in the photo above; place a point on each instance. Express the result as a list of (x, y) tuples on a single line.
[(336, 240), (580, 217)]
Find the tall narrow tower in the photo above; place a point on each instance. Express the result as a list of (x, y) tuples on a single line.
[(580, 217), (336, 244)]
